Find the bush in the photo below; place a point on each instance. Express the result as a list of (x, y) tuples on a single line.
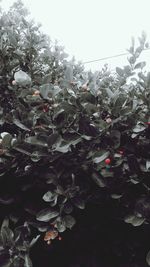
[(68, 138)]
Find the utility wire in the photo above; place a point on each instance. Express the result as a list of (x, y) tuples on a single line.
[(105, 58)]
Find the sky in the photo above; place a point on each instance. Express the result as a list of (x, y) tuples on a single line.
[(92, 29)]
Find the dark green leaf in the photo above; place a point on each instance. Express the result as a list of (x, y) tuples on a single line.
[(49, 196), (56, 91), (69, 73), (148, 164), (22, 78), (36, 156), (99, 180), (7, 236), (134, 220), (101, 158), (129, 218), (20, 125), (46, 89), (60, 225), (148, 80), (105, 172), (28, 262), (6, 200), (86, 137), (148, 258), (63, 149), (46, 215), (33, 140), (6, 139), (138, 221), (139, 128), (120, 71), (110, 93), (53, 139), (68, 208), (47, 79), (140, 65), (79, 203), (115, 135), (69, 221), (116, 196)]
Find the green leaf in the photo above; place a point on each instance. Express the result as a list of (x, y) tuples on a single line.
[(5, 223), (148, 258), (6, 200), (6, 139), (129, 218), (69, 73), (49, 196), (46, 215), (60, 225), (35, 156), (72, 93), (22, 78), (101, 158), (22, 150), (68, 208), (56, 90), (33, 140), (20, 124), (28, 262), (46, 89), (76, 141), (63, 149), (47, 79), (148, 164), (98, 180), (53, 139), (132, 60), (119, 71), (148, 80), (115, 135), (86, 137), (138, 221), (69, 221), (127, 70), (139, 128), (116, 196), (140, 65), (105, 172), (134, 220), (7, 236), (34, 240), (110, 93), (79, 203)]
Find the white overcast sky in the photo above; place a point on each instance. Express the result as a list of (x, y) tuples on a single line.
[(92, 29)]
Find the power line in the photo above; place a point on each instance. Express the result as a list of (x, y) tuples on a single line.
[(105, 58)]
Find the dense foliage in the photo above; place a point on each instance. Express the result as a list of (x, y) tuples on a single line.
[(68, 138)]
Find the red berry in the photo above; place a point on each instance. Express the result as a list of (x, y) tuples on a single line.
[(121, 152), (59, 238), (107, 161)]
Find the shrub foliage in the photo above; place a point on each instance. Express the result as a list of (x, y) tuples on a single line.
[(68, 138)]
